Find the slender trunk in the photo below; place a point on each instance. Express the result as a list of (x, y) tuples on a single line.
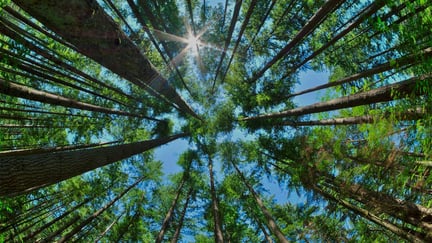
[(367, 13), (99, 212), (399, 62), (170, 212), (215, 206), (54, 234), (271, 223), (182, 216), (17, 90), (372, 217), (51, 149), (319, 16), (21, 174), (239, 36), (109, 227), (31, 235), (94, 34), (228, 38), (407, 115), (382, 94)]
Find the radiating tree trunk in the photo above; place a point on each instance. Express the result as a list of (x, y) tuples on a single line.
[(367, 13), (86, 25), (17, 90), (218, 235), (271, 223), (21, 174), (407, 115), (109, 227), (96, 214), (396, 63), (182, 216), (381, 94), (170, 212), (51, 149), (31, 235), (411, 236), (319, 16), (228, 38)]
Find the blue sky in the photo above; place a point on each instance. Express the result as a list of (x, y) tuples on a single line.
[(170, 153)]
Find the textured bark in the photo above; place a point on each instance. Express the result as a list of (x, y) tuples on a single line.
[(98, 212), (86, 25), (271, 223), (239, 36), (372, 217), (228, 38), (18, 152), (182, 216), (319, 16), (400, 62), (21, 174), (170, 212), (32, 234), (401, 116), (366, 13), (381, 94), (215, 206), (25, 92)]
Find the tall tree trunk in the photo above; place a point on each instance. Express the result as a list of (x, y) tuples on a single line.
[(86, 25), (399, 62), (401, 116), (32, 234), (21, 174), (170, 212), (319, 16), (271, 223), (51, 149), (17, 90), (381, 94), (182, 216), (413, 237), (215, 206), (99, 212)]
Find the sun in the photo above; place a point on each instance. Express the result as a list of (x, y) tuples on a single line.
[(193, 43)]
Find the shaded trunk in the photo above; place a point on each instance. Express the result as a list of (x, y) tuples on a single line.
[(86, 25), (215, 206), (319, 16), (407, 115), (382, 94), (170, 212), (21, 174), (182, 216), (99, 212), (413, 237), (271, 223), (399, 62), (17, 90)]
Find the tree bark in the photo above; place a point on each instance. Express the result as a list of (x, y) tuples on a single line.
[(271, 223), (21, 174), (17, 90), (399, 62), (407, 115), (182, 216), (170, 212), (215, 206), (381, 94), (319, 16), (98, 212), (86, 25)]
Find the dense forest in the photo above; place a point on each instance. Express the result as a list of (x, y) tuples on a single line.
[(89, 89)]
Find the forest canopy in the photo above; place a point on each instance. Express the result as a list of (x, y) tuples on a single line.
[(89, 89)]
